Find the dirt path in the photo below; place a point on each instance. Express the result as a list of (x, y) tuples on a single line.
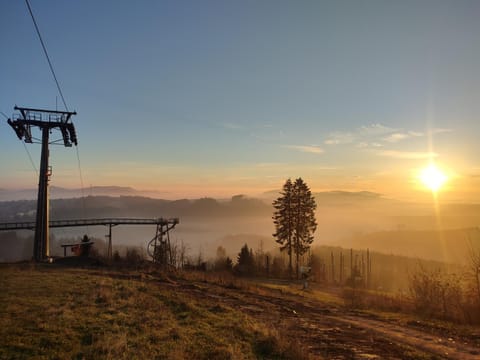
[(328, 332), (434, 344)]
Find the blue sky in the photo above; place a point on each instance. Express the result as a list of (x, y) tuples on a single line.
[(210, 98)]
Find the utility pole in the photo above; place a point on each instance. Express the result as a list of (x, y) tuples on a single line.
[(46, 121)]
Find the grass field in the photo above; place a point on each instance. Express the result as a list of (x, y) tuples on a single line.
[(49, 312)]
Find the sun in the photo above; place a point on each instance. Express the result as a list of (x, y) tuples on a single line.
[(433, 178)]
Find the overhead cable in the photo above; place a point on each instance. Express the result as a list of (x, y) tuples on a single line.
[(46, 55)]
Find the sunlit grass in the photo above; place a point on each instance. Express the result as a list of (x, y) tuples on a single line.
[(48, 312), (313, 291)]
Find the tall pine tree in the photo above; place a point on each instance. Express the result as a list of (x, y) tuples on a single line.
[(294, 220), (283, 220), (305, 222)]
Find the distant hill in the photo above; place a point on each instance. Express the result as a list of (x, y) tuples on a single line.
[(60, 192), (333, 195), (355, 199), (135, 206)]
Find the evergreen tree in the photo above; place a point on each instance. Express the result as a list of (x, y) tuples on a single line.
[(294, 219), (245, 261), (283, 217), (305, 222)]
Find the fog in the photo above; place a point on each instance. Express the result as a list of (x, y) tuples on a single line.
[(350, 220)]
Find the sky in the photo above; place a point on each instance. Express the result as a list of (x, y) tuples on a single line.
[(216, 98)]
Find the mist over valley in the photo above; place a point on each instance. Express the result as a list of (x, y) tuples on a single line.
[(358, 220)]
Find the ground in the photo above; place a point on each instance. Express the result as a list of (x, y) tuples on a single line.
[(56, 312)]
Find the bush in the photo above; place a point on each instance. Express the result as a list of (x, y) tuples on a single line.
[(133, 257), (437, 294)]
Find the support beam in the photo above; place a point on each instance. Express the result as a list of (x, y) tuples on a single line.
[(109, 236), (41, 244)]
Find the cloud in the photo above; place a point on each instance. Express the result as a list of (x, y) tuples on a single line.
[(313, 149), (364, 132), (373, 135), (375, 130), (407, 154), (398, 136), (365, 145), (337, 138), (441, 130)]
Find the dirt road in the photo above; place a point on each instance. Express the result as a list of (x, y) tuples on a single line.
[(331, 332)]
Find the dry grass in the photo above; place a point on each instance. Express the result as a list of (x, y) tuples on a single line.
[(61, 313)]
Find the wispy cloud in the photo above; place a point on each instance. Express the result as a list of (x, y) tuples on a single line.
[(441, 130), (365, 145), (337, 138), (313, 149), (393, 138), (361, 134), (407, 154), (374, 136), (399, 136), (375, 130), (416, 133)]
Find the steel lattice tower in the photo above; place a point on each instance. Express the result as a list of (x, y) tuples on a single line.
[(46, 121)]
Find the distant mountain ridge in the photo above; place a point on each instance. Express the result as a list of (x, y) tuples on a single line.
[(57, 192), (134, 206), (359, 194)]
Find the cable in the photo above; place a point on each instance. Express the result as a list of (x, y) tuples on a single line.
[(46, 54), (30, 157), (61, 95)]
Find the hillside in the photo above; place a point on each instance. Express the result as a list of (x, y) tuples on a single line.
[(452, 245), (54, 312)]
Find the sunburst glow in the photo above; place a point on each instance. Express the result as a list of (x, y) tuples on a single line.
[(433, 178)]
